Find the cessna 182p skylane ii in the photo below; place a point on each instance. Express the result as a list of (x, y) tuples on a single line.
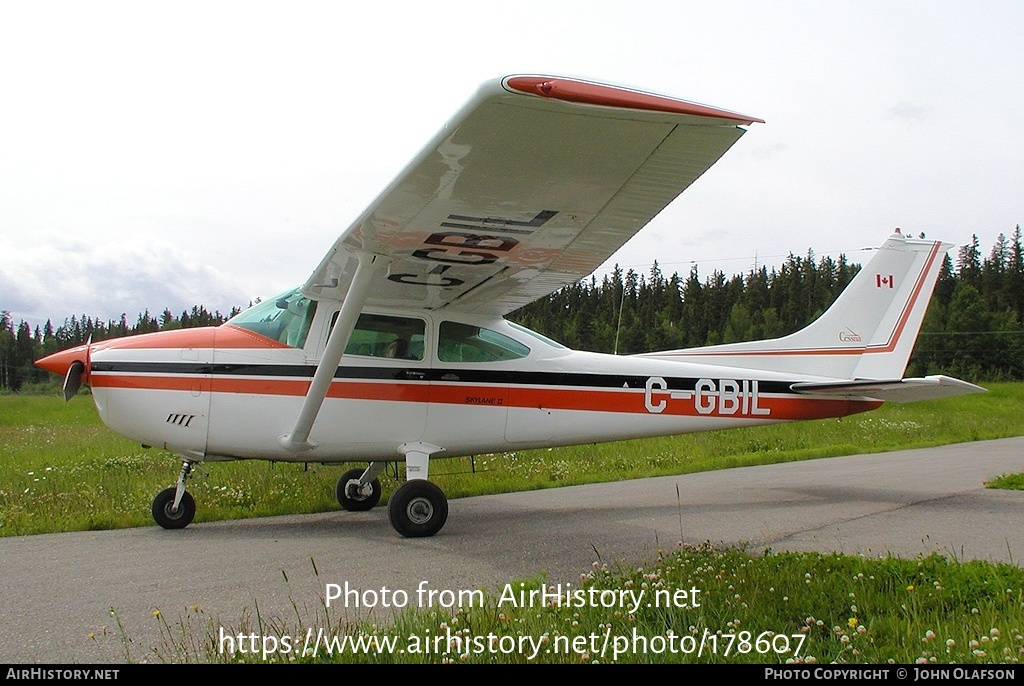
[(396, 348)]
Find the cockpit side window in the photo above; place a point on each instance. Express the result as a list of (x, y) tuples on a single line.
[(378, 335), (467, 343), (285, 318)]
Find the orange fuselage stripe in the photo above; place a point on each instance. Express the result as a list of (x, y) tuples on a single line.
[(549, 398)]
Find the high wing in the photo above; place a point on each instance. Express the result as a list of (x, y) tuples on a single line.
[(532, 186)]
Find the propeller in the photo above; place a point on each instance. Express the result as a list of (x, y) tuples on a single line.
[(78, 373)]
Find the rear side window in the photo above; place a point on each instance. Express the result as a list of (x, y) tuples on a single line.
[(467, 343)]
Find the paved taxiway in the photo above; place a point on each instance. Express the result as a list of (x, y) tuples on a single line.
[(57, 590)]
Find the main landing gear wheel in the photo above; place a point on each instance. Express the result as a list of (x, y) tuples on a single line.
[(418, 508), (167, 516), (354, 498)]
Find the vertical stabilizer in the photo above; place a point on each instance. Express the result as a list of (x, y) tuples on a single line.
[(867, 333)]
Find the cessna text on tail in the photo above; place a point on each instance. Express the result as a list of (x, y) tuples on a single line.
[(396, 349)]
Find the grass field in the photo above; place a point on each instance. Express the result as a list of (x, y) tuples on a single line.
[(776, 608)]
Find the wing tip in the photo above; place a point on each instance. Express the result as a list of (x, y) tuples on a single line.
[(591, 93)]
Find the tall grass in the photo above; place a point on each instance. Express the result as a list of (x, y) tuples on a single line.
[(696, 605)]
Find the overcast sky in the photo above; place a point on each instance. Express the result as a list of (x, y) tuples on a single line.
[(169, 154)]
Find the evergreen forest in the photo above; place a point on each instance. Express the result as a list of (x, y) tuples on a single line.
[(973, 329)]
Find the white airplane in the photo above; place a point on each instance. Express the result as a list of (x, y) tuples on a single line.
[(396, 347)]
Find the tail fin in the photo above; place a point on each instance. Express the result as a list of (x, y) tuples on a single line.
[(867, 333)]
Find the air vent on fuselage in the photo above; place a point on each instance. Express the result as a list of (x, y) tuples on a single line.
[(180, 419)]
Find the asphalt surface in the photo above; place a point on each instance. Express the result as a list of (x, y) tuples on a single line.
[(91, 597)]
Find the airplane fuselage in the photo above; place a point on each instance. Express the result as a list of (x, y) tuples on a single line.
[(229, 393)]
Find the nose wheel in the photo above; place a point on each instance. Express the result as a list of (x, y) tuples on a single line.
[(170, 516), (174, 507)]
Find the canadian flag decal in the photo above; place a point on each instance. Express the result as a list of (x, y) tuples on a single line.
[(883, 281)]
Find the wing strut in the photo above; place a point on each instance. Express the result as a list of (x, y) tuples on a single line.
[(367, 267)]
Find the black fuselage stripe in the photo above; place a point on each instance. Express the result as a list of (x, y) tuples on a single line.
[(414, 374)]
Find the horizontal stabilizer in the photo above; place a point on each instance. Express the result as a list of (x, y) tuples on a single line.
[(895, 390)]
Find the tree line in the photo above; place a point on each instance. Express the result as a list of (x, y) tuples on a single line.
[(973, 328), (21, 344)]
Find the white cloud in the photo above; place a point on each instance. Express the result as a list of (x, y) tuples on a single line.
[(106, 280)]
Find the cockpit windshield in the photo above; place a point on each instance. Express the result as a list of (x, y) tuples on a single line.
[(285, 318)]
